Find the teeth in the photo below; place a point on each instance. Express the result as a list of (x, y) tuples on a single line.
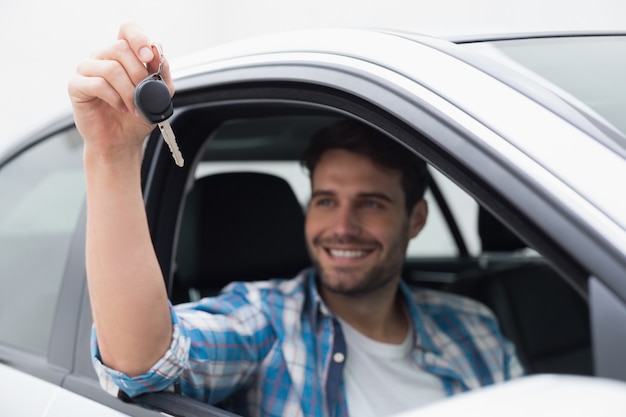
[(347, 253)]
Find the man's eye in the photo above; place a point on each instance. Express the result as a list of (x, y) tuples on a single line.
[(323, 202), (371, 204)]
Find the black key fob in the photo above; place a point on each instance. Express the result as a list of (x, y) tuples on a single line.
[(153, 100)]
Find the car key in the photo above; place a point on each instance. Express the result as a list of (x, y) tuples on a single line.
[(153, 100)]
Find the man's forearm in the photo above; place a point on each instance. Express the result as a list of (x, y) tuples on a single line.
[(127, 291)]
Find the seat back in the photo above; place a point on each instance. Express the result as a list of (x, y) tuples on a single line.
[(239, 226), (543, 315)]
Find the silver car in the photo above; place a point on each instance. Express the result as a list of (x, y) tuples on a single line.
[(525, 137)]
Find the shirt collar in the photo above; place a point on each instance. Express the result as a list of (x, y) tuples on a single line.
[(423, 339), (317, 308)]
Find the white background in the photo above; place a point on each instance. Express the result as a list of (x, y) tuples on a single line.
[(41, 41)]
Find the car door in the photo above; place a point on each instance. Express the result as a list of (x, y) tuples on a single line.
[(42, 275), (462, 121), (41, 195)]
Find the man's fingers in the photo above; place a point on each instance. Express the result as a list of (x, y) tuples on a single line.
[(87, 89), (146, 52), (138, 41), (115, 77), (122, 52)]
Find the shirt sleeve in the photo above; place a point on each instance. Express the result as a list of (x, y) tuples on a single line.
[(468, 337), (160, 377), (217, 344)]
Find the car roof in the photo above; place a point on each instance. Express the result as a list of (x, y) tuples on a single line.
[(377, 46)]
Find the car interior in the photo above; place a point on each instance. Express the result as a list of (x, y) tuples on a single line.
[(252, 225), (547, 320), (241, 221)]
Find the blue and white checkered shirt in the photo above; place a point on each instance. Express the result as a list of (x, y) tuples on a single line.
[(274, 343)]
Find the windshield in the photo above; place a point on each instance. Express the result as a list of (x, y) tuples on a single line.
[(587, 69)]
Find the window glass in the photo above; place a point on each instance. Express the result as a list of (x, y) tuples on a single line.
[(436, 238), (41, 195), (589, 68)]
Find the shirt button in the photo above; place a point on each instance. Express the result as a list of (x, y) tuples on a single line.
[(339, 357)]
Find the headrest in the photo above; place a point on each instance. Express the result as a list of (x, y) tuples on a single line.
[(240, 226), (495, 236)]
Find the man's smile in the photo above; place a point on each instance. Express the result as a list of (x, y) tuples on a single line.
[(347, 253)]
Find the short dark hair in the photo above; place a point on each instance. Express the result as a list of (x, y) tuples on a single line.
[(385, 152)]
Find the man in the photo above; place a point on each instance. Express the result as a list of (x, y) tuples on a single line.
[(344, 338)]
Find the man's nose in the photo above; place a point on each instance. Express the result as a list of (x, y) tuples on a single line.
[(346, 222)]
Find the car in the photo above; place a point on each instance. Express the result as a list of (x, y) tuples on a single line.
[(525, 140)]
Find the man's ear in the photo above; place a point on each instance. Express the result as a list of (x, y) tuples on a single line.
[(417, 219)]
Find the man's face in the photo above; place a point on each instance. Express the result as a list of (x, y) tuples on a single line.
[(357, 227)]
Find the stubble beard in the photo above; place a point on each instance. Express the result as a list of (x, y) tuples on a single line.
[(370, 281)]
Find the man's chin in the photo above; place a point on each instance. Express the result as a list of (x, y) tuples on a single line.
[(343, 290), (340, 281), (347, 285), (353, 282)]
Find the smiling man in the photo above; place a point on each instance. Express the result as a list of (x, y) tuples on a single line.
[(346, 337), (366, 206)]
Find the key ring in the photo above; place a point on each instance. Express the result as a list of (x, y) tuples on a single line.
[(160, 54)]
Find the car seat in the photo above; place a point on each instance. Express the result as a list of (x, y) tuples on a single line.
[(238, 226), (543, 315)]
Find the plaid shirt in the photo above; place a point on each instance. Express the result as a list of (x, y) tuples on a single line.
[(274, 345)]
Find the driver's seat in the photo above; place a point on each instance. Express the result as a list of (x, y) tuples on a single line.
[(238, 226)]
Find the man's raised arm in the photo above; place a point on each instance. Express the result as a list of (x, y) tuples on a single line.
[(126, 287)]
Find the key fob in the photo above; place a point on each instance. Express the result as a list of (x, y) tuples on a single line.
[(153, 100)]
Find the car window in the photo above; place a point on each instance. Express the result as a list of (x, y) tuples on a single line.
[(41, 195), (544, 318)]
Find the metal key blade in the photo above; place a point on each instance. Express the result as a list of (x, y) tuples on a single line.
[(170, 139)]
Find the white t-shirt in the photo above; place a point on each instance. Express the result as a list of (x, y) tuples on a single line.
[(381, 379)]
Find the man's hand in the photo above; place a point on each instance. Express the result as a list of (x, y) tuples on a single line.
[(102, 95)]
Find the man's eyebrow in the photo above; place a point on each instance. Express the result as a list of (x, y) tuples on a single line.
[(323, 193), (373, 194), (377, 195)]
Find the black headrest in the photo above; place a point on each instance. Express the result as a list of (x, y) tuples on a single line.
[(240, 226), (495, 236)]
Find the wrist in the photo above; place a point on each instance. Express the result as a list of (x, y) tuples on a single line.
[(114, 169), (124, 158)]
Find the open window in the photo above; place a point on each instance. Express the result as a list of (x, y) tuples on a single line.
[(463, 249), (537, 290)]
